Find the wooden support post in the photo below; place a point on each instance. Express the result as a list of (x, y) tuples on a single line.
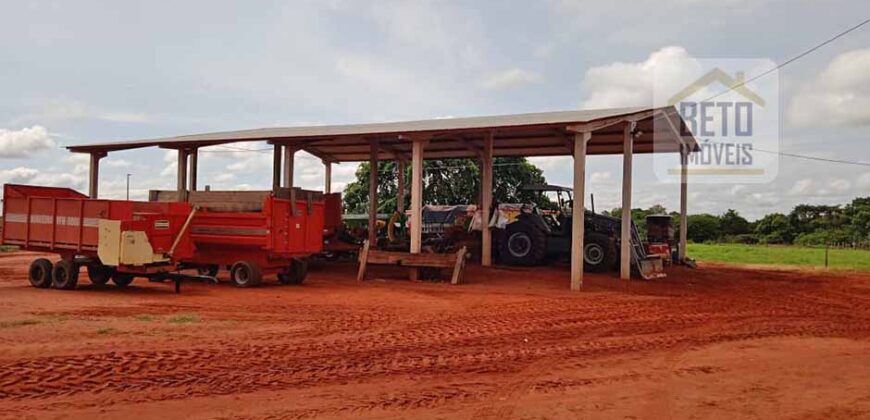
[(327, 176), (400, 187), (194, 163), (182, 175), (373, 193), (289, 160), (486, 200), (684, 187), (625, 234), (94, 174), (276, 167), (417, 196), (578, 218)]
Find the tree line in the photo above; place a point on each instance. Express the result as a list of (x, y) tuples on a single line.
[(805, 224)]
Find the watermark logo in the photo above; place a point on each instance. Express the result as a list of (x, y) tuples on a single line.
[(731, 116)]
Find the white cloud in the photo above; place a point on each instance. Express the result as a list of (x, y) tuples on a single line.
[(838, 96), (599, 177), (624, 84), (23, 142), (510, 78), (69, 109)]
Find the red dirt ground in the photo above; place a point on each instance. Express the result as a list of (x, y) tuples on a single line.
[(717, 342)]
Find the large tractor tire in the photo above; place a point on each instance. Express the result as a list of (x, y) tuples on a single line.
[(295, 273), (523, 244), (65, 275), (599, 253), (40, 273), (100, 274), (246, 274), (122, 280)]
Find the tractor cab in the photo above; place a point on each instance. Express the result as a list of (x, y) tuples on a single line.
[(558, 217)]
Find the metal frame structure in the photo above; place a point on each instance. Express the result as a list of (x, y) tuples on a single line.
[(581, 133)]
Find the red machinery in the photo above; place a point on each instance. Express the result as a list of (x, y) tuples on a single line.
[(120, 240)]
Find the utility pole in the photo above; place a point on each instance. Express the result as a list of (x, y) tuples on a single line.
[(128, 187)]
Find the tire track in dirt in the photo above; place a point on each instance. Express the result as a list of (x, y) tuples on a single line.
[(487, 343)]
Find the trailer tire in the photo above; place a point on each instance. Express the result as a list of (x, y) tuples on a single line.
[(40, 273), (122, 280), (523, 244), (65, 275), (100, 274), (246, 274), (599, 253), (295, 273)]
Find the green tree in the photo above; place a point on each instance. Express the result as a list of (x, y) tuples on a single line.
[(775, 228), (447, 181), (732, 223), (703, 227)]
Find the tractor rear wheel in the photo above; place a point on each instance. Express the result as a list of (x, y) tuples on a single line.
[(599, 253), (40, 273), (100, 274), (295, 273), (122, 280), (65, 275), (246, 274), (523, 244)]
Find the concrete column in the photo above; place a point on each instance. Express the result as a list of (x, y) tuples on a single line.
[(373, 192), (327, 176), (182, 175), (289, 160), (400, 186), (417, 196), (486, 200), (194, 163), (276, 167), (625, 234), (578, 213), (684, 187), (94, 174)]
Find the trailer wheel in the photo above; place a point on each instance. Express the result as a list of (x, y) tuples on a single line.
[(122, 280), (599, 253), (65, 275), (100, 274), (524, 244), (246, 274), (40, 273), (295, 273)]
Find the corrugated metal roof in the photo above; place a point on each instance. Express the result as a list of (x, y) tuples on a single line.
[(346, 142)]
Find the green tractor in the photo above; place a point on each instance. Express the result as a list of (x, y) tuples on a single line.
[(536, 235)]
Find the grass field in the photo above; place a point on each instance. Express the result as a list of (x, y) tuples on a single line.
[(838, 259)]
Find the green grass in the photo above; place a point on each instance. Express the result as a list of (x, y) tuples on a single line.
[(838, 259), (184, 319)]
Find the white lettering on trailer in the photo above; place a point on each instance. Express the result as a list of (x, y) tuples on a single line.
[(45, 219)]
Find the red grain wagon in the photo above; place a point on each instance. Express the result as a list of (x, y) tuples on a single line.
[(119, 240)]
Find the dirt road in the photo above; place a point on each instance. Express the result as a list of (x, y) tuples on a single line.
[(717, 342)]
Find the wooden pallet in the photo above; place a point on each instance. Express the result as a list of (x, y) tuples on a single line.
[(456, 261)]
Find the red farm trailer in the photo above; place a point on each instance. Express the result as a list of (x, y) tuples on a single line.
[(119, 240)]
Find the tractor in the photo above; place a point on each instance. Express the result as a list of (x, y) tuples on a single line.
[(531, 236)]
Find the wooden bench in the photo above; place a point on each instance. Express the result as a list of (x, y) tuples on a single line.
[(456, 261)]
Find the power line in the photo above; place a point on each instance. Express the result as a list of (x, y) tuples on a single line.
[(793, 59)]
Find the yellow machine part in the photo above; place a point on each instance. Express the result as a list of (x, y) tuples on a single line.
[(116, 247)]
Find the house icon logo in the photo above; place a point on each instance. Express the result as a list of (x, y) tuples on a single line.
[(736, 83)]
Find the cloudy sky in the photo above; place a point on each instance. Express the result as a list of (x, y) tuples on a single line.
[(89, 71)]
